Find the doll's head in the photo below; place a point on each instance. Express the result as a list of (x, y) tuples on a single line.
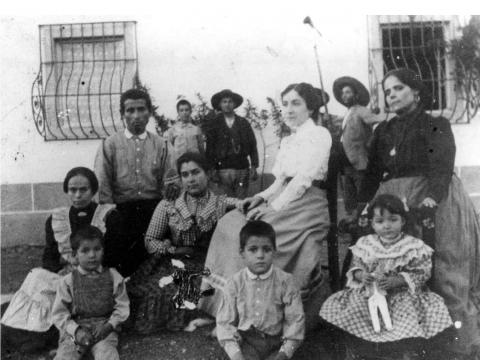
[(388, 216)]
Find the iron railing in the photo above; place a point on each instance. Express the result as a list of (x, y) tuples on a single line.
[(83, 70), (424, 44)]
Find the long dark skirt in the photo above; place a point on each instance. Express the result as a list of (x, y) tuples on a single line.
[(152, 308)]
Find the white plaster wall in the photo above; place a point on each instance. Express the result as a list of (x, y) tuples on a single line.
[(467, 139), (184, 49)]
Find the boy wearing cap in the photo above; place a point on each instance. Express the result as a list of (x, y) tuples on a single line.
[(356, 134), (231, 145)]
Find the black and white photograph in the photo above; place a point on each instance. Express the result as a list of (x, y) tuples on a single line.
[(249, 180)]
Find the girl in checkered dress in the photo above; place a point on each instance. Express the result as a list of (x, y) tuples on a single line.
[(400, 265)]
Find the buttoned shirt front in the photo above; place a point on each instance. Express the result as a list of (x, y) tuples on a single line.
[(270, 303), (132, 167), (303, 156)]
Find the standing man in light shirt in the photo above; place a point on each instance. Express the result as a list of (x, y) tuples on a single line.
[(132, 166), (231, 145), (356, 135)]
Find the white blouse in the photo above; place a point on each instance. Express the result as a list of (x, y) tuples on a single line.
[(303, 156)]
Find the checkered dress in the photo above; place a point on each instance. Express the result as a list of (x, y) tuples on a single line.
[(187, 221), (415, 311)]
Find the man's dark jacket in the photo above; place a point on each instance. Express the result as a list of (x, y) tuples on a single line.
[(229, 148)]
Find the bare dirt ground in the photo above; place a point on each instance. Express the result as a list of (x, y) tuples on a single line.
[(17, 261)]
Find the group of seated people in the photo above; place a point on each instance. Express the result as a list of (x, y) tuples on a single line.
[(264, 252)]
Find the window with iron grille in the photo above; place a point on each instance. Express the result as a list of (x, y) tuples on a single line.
[(421, 43), (83, 70), (420, 47)]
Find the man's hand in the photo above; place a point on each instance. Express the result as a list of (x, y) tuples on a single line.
[(83, 337), (172, 191), (391, 282), (253, 174), (101, 331)]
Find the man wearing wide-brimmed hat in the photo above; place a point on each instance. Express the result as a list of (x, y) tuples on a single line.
[(356, 134), (231, 145)]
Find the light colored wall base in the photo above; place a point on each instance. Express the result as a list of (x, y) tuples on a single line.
[(25, 207)]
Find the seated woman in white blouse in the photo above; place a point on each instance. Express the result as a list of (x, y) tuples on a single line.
[(295, 204)]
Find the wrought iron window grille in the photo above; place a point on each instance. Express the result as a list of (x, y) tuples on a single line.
[(84, 68), (422, 43)]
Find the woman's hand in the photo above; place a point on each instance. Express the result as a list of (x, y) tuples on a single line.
[(164, 247), (258, 212), (429, 202), (391, 282), (362, 213), (249, 203)]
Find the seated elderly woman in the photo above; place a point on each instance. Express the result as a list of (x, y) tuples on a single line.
[(27, 319), (179, 229), (412, 156), (295, 205)]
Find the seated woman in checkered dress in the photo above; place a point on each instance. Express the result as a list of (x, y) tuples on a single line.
[(399, 265), (179, 229)]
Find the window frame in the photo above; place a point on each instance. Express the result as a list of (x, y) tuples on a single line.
[(63, 107), (451, 30)]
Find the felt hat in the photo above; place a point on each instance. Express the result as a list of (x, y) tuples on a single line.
[(363, 97), (237, 98), (325, 96)]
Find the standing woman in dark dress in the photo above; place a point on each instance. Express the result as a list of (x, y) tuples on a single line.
[(412, 156), (28, 314)]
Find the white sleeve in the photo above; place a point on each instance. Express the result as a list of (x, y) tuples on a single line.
[(279, 177), (315, 152)]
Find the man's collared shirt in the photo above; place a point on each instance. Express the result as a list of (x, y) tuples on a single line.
[(229, 121), (132, 167)]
